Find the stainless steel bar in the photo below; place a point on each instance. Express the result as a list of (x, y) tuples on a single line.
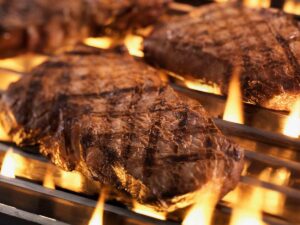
[(16, 216)]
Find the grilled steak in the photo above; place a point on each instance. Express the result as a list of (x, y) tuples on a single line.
[(43, 26), (212, 40), (113, 119)]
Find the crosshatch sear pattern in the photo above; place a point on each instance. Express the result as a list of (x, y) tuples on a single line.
[(112, 118), (214, 39)]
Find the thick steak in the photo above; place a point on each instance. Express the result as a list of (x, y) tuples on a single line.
[(113, 119), (45, 25), (213, 39)]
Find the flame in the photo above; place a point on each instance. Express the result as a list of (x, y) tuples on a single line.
[(144, 210), (8, 167), (274, 201), (134, 45), (3, 135), (200, 85), (99, 42), (71, 180), (248, 209), (257, 3), (22, 63), (49, 180), (7, 78), (292, 124), (202, 211), (292, 7), (234, 105), (97, 217)]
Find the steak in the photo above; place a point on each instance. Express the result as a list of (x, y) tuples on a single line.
[(40, 25), (212, 40), (113, 118)]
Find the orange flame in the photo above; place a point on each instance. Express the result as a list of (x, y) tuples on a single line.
[(22, 63), (274, 201), (8, 167), (291, 6), (99, 42), (200, 85), (134, 45), (71, 180), (97, 217), (257, 3), (144, 210), (202, 211), (292, 124), (3, 135), (7, 78), (234, 105), (49, 180), (248, 209)]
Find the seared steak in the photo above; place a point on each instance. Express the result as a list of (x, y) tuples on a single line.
[(45, 25), (113, 119), (212, 40)]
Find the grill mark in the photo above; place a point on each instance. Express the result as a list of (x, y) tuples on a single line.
[(153, 138), (208, 155), (127, 147), (115, 92), (180, 132)]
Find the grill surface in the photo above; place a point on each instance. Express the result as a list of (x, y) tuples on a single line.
[(25, 201)]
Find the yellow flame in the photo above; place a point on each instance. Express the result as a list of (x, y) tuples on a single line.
[(22, 63), (248, 208), (144, 210), (292, 7), (257, 3), (234, 105), (97, 217), (9, 164), (200, 85), (292, 124), (7, 78), (3, 135), (49, 180), (99, 42), (274, 201), (134, 45), (71, 180), (202, 211)]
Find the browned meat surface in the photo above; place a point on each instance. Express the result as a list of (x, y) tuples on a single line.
[(213, 39), (113, 119), (45, 25)]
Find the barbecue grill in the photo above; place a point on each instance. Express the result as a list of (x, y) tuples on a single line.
[(271, 177)]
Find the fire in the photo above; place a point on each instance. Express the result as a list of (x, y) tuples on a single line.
[(292, 124), (3, 135), (200, 85), (291, 6), (99, 42), (144, 210), (97, 217), (274, 201), (248, 209), (71, 180), (257, 3), (22, 63), (234, 105), (8, 167), (49, 180), (202, 211), (6, 78), (134, 45)]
